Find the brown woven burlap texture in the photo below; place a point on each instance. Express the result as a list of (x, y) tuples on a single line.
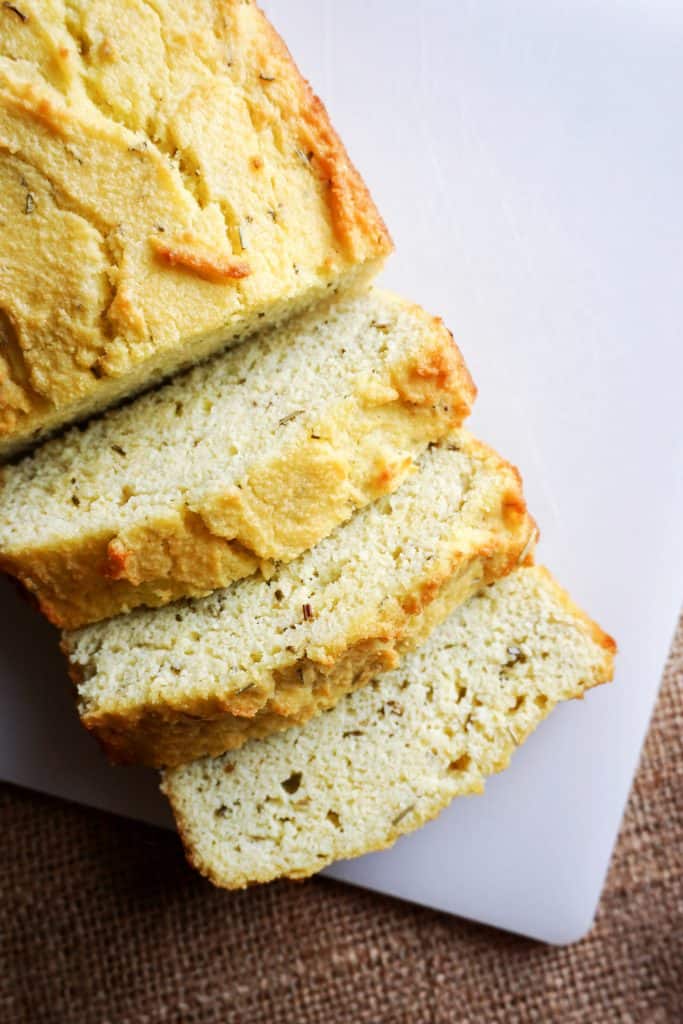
[(102, 922)]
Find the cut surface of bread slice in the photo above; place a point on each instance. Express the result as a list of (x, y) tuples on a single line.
[(252, 457), (393, 755), (169, 182), (202, 675)]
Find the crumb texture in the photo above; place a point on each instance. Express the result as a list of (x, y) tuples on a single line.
[(201, 675), (168, 178), (250, 458), (391, 756)]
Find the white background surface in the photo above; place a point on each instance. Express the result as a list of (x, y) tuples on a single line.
[(528, 159)]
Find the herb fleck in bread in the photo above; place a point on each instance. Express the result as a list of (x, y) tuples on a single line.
[(202, 675), (251, 457), (393, 755), (169, 182)]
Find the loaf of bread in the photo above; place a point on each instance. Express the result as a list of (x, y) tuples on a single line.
[(201, 676), (394, 754), (169, 182), (253, 456)]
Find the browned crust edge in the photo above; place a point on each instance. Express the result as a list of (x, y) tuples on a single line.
[(354, 214)]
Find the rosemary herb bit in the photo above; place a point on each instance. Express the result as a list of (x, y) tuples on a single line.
[(402, 814), (304, 157), (291, 784), (118, 449), (290, 416), (73, 154), (15, 10), (515, 655)]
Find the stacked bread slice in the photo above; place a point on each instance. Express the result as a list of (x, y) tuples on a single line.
[(288, 577), (248, 459), (395, 753)]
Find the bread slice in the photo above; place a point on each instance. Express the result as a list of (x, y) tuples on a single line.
[(393, 755), (251, 457), (201, 676), (169, 182)]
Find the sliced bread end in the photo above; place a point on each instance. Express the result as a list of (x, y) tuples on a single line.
[(393, 755)]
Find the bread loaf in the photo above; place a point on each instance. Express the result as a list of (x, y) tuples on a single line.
[(252, 457), (169, 183), (202, 675), (394, 754)]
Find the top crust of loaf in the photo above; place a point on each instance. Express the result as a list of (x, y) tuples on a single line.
[(168, 182), (391, 756)]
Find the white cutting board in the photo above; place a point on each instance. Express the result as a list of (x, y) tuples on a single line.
[(528, 160)]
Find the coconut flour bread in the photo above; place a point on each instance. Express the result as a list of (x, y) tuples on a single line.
[(393, 755), (168, 183), (253, 456), (201, 676)]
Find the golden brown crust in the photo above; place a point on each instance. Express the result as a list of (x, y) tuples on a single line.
[(439, 365), (178, 224), (281, 508), (186, 255), (354, 215), (104, 577)]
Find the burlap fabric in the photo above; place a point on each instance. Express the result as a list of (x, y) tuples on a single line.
[(101, 921)]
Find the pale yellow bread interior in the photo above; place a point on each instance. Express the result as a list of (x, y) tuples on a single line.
[(394, 754)]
